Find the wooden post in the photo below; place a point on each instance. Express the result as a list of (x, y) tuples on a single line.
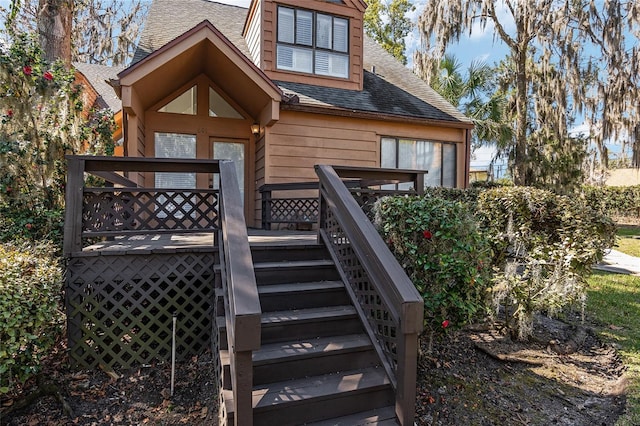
[(73, 206), (420, 183), (242, 395), (266, 209)]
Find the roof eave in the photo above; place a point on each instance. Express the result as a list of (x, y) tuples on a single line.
[(199, 27), (342, 112)]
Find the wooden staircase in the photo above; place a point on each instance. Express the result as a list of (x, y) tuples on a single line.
[(316, 364)]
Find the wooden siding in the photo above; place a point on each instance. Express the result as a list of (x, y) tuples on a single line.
[(252, 36), (298, 141), (259, 179), (269, 25)]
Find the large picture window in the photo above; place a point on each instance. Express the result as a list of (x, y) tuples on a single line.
[(312, 42), (438, 158)]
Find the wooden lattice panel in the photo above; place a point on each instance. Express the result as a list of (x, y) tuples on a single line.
[(372, 303), (118, 209), (294, 210), (120, 307)]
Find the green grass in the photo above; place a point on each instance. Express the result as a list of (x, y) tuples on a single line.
[(628, 240), (628, 231), (614, 302), (630, 246)]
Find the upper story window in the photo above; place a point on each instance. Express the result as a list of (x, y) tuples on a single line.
[(312, 42)]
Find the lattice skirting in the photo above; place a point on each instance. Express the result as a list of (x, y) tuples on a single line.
[(120, 307)]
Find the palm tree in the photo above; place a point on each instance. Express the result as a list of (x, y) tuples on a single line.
[(475, 94)]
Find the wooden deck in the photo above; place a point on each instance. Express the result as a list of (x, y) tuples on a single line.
[(198, 242)]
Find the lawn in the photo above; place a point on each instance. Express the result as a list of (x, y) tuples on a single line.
[(613, 301), (628, 240)]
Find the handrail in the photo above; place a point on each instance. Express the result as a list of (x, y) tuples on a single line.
[(242, 303), (390, 299)]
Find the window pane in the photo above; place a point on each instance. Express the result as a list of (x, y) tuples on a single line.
[(449, 165), (323, 31), (174, 145), (294, 59), (235, 153), (219, 107), (183, 104), (304, 27), (285, 25), (340, 34), (388, 153), (332, 64), (432, 158)]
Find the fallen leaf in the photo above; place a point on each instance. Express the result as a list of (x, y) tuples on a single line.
[(615, 327)]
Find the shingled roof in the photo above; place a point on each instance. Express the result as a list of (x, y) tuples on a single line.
[(392, 90), (98, 76)]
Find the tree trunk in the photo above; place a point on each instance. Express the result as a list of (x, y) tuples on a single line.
[(520, 157), (55, 20)]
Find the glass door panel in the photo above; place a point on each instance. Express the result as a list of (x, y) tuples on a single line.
[(234, 151)]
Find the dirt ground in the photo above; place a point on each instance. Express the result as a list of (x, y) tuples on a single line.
[(140, 396), (478, 376), (475, 376)]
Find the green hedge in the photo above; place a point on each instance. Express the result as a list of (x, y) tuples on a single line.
[(30, 310), (544, 246), (619, 201), (534, 248)]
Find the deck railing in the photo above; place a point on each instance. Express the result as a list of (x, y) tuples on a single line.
[(242, 304), (283, 205), (384, 296), (130, 209)]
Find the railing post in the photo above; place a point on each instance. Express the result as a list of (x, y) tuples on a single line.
[(420, 183), (266, 209), (73, 205)]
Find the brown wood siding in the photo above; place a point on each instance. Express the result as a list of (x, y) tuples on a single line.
[(300, 140), (259, 179), (269, 25)]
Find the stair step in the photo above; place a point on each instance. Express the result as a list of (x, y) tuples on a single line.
[(300, 287), (295, 271), (310, 294), (281, 326), (310, 357), (273, 253), (385, 416), (312, 399), (276, 352)]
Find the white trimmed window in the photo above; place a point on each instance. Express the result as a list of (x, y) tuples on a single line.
[(437, 158), (312, 42)]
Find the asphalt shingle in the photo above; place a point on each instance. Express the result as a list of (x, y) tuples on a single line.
[(98, 76)]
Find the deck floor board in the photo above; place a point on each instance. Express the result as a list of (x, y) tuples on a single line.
[(167, 243)]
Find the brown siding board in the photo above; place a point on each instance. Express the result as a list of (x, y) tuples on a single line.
[(300, 140)]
